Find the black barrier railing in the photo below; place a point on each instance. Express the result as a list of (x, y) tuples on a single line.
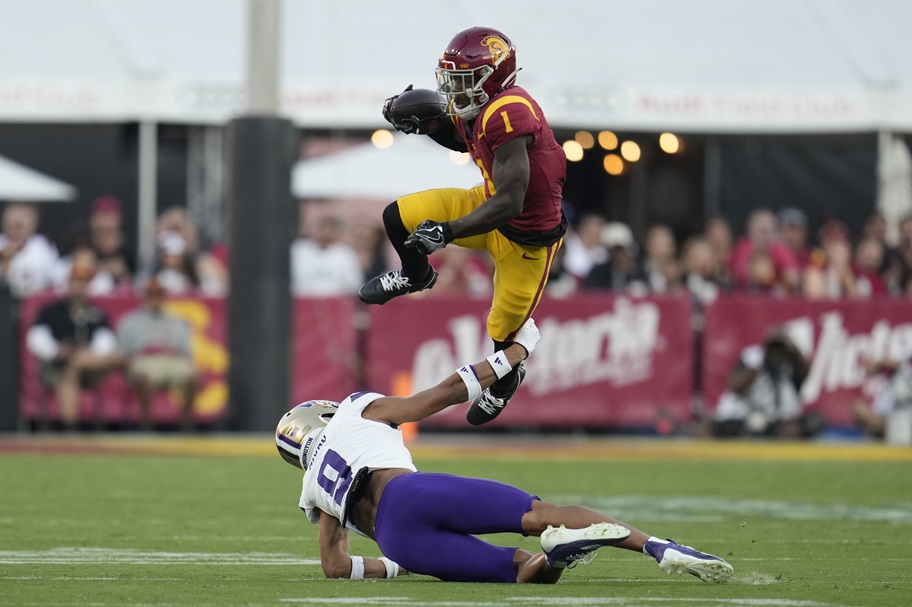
[(9, 360)]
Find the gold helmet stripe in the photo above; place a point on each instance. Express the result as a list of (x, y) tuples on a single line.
[(499, 103)]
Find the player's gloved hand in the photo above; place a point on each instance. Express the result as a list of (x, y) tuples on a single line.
[(409, 126), (430, 236), (528, 336)]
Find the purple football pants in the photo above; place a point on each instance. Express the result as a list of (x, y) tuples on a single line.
[(426, 522)]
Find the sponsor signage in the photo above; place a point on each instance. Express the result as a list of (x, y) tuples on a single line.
[(839, 336), (602, 361)]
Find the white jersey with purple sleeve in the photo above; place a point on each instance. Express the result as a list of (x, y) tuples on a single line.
[(349, 445)]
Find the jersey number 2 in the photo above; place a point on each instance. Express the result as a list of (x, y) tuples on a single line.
[(335, 476)]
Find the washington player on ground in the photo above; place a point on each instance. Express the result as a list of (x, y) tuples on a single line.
[(515, 214), (359, 476)]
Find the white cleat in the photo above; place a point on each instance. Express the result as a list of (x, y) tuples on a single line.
[(674, 558), (564, 548)]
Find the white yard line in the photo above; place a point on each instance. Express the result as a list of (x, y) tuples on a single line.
[(561, 601), (709, 509), (112, 556)]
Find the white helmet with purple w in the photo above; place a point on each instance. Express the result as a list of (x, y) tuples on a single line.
[(299, 429)]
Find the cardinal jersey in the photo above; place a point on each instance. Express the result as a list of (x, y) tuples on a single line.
[(510, 114), (349, 445)]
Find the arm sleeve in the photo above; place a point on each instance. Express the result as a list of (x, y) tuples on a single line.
[(448, 137)]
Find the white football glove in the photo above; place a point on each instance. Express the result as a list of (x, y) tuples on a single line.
[(528, 336)]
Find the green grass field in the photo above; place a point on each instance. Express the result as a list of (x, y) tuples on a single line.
[(115, 522)]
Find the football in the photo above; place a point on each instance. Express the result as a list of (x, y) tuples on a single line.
[(422, 105)]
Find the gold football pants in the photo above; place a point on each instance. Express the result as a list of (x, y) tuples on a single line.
[(520, 272)]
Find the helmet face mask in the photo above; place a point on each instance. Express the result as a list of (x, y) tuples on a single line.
[(464, 90), (477, 64), (300, 428)]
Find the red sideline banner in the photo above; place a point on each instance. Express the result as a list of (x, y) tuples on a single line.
[(839, 335), (603, 361), (323, 351)]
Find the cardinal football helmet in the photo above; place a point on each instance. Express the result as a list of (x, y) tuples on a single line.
[(299, 429), (477, 64)]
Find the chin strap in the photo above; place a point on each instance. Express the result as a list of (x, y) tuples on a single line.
[(508, 81)]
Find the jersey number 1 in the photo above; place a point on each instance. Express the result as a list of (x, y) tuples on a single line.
[(508, 128)]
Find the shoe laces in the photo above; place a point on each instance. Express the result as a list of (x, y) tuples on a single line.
[(392, 281), (490, 404)]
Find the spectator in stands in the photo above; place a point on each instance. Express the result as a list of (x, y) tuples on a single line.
[(893, 268), (660, 264), (322, 265), (904, 239), (461, 271), (561, 283), (866, 266), (174, 264), (177, 219), (212, 269), (583, 248), (889, 382), (208, 267), (27, 258), (157, 349), (793, 229), (107, 239), (829, 274), (875, 226), (622, 272), (718, 233), (761, 276), (761, 238), (701, 270), (102, 283), (762, 393), (74, 344)]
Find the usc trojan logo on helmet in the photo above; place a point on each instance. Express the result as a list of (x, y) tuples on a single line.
[(498, 48), (477, 64)]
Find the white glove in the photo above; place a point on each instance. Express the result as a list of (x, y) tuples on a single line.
[(528, 336)]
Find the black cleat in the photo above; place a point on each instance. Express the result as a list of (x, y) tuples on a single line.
[(381, 289), (489, 405)]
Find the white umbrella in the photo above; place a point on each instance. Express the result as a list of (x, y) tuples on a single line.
[(22, 184), (413, 163), (894, 180)]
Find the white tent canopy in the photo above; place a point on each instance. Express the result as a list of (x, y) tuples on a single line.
[(698, 66), (21, 184), (411, 164)]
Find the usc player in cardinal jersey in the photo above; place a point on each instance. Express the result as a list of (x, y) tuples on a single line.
[(515, 214)]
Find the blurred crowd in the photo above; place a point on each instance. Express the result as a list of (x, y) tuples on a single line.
[(31, 263), (778, 254)]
